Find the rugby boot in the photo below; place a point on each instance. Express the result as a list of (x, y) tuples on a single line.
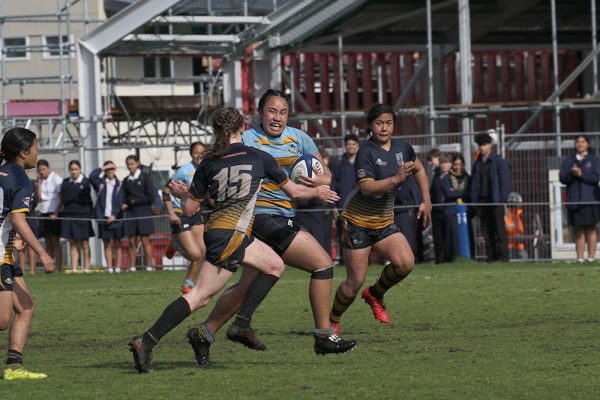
[(142, 354), (21, 373), (200, 346), (378, 306), (246, 337), (333, 344)]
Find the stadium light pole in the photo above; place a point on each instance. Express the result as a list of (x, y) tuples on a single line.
[(466, 83)]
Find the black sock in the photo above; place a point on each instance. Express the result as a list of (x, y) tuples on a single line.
[(340, 305), (14, 357), (173, 315), (260, 286), (388, 278)]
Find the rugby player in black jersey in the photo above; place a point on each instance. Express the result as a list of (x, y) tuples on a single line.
[(381, 164), (231, 173), (20, 149)]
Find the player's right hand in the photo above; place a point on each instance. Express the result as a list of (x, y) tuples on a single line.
[(47, 262), (326, 194), (178, 188)]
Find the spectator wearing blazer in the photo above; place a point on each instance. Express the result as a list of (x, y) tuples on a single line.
[(581, 173), (491, 183), (107, 213), (140, 195), (76, 226)]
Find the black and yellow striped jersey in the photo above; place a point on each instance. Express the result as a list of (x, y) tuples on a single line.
[(374, 163), (16, 193), (233, 181)]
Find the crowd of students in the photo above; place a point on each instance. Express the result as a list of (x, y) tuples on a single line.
[(123, 209)]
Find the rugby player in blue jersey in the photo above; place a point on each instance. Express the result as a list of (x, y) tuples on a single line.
[(276, 227), (188, 232)]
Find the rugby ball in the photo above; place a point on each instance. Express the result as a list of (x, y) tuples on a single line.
[(304, 166)]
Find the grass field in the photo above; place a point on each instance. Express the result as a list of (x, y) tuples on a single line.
[(464, 331)]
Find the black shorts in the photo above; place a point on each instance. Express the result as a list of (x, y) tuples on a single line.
[(73, 229), (138, 227), (357, 237), (49, 227), (226, 248), (9, 273), (276, 231), (112, 231), (186, 223)]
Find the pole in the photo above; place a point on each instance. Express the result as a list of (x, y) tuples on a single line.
[(86, 16), (555, 67), (2, 66), (594, 42), (431, 113), (466, 83), (341, 87)]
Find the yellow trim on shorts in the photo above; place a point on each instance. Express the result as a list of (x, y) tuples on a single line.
[(232, 246)]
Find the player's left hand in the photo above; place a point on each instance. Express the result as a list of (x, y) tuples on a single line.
[(317, 179), (19, 244), (424, 213)]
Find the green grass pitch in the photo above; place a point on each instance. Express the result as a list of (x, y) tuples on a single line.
[(461, 331)]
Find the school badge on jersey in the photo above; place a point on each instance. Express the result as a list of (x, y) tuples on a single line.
[(400, 158)]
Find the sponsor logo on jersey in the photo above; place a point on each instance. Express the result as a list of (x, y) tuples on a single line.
[(26, 201), (361, 173), (380, 162), (8, 281)]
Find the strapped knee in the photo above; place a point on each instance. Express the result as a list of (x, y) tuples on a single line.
[(323, 273)]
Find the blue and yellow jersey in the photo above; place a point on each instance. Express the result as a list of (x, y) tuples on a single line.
[(285, 149), (233, 181), (16, 193), (374, 163), (185, 174)]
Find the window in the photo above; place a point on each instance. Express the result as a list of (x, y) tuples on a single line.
[(158, 67), (53, 47), (13, 48)]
